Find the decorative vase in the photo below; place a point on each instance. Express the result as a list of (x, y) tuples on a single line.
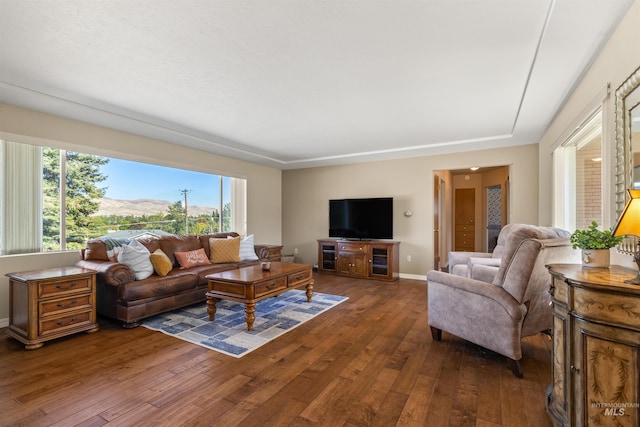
[(596, 258)]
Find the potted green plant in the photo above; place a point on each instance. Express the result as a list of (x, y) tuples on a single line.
[(595, 245)]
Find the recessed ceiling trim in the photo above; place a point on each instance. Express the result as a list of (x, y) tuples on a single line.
[(402, 149), (163, 128), (547, 19), (31, 93)]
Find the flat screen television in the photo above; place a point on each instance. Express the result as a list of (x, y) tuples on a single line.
[(362, 219)]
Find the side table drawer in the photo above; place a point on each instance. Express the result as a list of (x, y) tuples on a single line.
[(61, 324), (64, 287), (55, 307), (560, 291)]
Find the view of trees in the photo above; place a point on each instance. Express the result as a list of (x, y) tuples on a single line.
[(83, 196)]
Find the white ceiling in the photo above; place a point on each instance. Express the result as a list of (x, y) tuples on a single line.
[(293, 84)]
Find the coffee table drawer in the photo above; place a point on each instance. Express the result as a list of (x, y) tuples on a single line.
[(230, 289), (275, 285), (299, 278)]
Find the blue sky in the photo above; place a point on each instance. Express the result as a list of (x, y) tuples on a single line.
[(133, 180)]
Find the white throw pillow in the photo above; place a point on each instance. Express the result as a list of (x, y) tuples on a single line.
[(247, 250), (137, 258)]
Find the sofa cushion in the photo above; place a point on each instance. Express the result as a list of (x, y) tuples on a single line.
[(137, 258), (172, 244), (175, 282), (224, 250), (96, 251), (152, 243), (192, 258), (204, 239), (161, 263)]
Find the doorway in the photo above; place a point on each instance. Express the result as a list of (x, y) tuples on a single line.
[(472, 209)]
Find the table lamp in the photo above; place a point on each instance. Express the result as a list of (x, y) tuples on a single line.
[(629, 224)]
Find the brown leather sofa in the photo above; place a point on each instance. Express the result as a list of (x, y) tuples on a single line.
[(120, 296)]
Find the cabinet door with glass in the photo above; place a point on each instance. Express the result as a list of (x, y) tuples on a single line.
[(328, 256)]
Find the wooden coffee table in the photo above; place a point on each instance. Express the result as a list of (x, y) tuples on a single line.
[(252, 284)]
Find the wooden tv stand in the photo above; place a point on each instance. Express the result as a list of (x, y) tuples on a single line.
[(368, 259)]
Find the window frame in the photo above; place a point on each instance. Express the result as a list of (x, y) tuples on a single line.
[(236, 189)]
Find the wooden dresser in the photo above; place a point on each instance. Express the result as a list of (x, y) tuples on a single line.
[(464, 218), (51, 303), (596, 347)]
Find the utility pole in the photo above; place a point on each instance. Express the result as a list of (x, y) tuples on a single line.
[(186, 213)]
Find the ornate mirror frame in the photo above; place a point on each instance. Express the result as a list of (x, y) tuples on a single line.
[(627, 98)]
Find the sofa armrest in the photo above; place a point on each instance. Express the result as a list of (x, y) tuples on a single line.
[(110, 273)]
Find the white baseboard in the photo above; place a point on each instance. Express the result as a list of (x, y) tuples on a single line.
[(4, 323), (413, 276)]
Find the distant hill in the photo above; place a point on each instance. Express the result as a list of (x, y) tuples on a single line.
[(141, 207)]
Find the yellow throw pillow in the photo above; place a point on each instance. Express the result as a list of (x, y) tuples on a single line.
[(224, 250), (161, 263)]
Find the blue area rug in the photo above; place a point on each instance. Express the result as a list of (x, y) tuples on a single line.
[(228, 332)]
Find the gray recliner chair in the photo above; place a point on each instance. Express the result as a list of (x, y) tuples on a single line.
[(496, 315)]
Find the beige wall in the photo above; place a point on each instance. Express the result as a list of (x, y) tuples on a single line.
[(264, 197), (618, 59), (305, 216)]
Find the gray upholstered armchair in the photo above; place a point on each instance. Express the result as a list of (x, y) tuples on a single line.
[(496, 315)]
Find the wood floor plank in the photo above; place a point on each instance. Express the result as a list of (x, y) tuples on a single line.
[(414, 411), (368, 361)]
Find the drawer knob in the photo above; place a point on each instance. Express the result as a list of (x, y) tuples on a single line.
[(71, 285), (73, 319), (73, 302), (271, 286)]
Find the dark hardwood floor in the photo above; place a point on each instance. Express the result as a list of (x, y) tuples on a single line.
[(370, 361)]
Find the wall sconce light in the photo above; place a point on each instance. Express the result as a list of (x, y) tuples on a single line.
[(408, 213)]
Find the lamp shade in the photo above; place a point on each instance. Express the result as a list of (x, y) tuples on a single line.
[(629, 221)]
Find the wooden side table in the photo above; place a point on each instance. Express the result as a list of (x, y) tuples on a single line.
[(51, 303), (269, 252), (596, 347)]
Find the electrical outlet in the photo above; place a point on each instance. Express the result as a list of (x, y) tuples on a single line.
[(408, 258), (295, 251)]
